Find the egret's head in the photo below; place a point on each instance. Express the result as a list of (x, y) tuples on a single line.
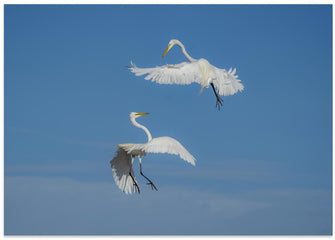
[(170, 45), (134, 115)]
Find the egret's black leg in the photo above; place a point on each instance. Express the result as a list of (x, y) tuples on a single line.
[(219, 100), (135, 184), (150, 182)]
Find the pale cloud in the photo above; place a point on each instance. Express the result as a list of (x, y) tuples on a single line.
[(41, 205), (19, 129), (66, 167), (97, 144), (45, 136), (236, 170)]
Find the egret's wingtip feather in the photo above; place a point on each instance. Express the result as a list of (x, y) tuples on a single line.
[(121, 166), (226, 82)]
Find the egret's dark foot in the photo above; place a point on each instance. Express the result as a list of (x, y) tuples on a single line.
[(219, 102), (134, 183), (136, 186), (152, 185), (149, 182)]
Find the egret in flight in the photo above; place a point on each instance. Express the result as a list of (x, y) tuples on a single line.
[(223, 82), (123, 161)]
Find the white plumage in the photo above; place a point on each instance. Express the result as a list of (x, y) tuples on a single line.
[(163, 145), (182, 73), (122, 163), (198, 71), (226, 82)]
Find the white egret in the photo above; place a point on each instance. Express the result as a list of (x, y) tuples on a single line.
[(122, 163), (199, 71)]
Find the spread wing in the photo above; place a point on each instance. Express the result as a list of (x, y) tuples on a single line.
[(227, 83), (166, 145), (183, 73), (121, 165)]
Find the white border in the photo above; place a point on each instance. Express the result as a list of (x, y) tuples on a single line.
[(139, 2)]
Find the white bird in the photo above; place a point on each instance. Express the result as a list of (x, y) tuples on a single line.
[(123, 161), (199, 71)]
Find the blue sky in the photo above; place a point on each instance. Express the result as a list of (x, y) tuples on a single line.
[(264, 162)]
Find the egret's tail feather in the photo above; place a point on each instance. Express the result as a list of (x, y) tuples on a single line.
[(226, 82)]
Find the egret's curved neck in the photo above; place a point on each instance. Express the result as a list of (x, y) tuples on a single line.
[(136, 124), (185, 53)]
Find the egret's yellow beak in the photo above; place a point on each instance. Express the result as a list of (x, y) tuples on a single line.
[(141, 114), (167, 49)]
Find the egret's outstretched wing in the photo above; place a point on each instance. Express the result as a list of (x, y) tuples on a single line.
[(183, 73), (227, 82), (121, 165), (166, 145)]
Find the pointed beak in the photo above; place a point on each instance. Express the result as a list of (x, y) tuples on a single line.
[(141, 114), (167, 49)]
